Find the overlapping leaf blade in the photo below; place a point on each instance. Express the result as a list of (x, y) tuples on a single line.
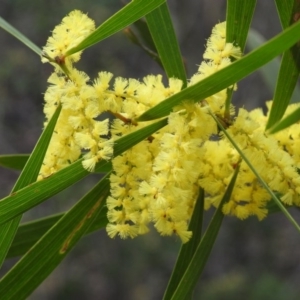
[(229, 75), (263, 183), (270, 70), (52, 248), (238, 19), (29, 233), (130, 13), (284, 9), (198, 261), (287, 121), (14, 161), (290, 65), (18, 161), (28, 176), (187, 250), (37, 192), (164, 37), (286, 83)]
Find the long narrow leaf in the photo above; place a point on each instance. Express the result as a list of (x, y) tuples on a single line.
[(35, 160), (18, 161), (270, 70), (229, 75), (272, 194), (53, 247), (37, 192), (187, 250), (287, 121), (14, 161), (163, 34), (238, 19), (196, 266), (130, 13), (286, 83), (28, 176), (284, 9), (29, 233), (17, 34), (290, 66)]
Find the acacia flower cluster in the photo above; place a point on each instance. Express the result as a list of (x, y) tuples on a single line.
[(158, 180)]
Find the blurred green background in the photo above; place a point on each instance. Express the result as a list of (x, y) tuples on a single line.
[(251, 259)]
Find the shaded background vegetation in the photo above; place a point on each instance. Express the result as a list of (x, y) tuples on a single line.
[(251, 259)]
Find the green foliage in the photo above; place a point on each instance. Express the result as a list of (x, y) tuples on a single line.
[(124, 17), (16, 162), (289, 120), (187, 251), (198, 260), (238, 19), (34, 230), (272, 194), (163, 34), (57, 242), (229, 75), (27, 177), (290, 66), (44, 243), (39, 191)]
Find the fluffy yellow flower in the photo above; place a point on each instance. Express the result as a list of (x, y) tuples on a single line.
[(157, 181), (73, 29)]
